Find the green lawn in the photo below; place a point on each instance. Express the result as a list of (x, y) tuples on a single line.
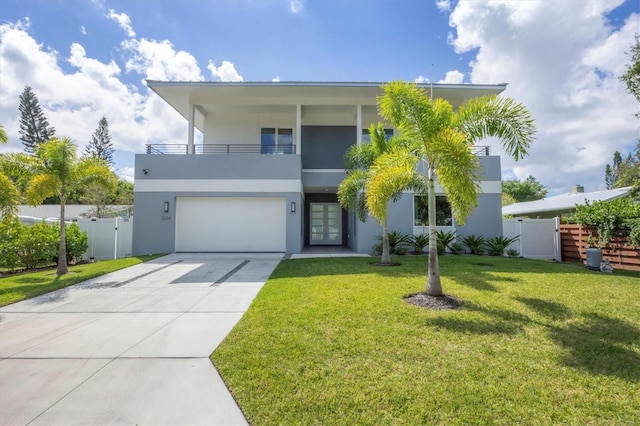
[(14, 288), (331, 341)]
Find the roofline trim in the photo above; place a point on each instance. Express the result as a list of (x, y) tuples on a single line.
[(166, 83)]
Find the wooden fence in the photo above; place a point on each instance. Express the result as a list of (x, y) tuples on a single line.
[(574, 248)]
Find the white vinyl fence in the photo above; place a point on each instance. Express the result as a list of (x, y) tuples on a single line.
[(537, 238), (109, 238)]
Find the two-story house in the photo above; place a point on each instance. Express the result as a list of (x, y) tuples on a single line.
[(265, 175)]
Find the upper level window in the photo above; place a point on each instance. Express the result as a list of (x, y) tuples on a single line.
[(388, 134), (444, 216), (276, 141)]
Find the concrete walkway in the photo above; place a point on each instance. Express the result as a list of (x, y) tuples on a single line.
[(130, 347)]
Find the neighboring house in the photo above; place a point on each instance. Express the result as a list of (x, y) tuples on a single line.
[(30, 214), (563, 204), (264, 178)]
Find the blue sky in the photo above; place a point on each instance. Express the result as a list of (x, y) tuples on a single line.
[(85, 59)]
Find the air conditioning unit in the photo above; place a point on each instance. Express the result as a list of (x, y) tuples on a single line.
[(594, 258)]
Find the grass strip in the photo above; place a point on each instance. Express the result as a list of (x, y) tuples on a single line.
[(14, 288), (331, 341)]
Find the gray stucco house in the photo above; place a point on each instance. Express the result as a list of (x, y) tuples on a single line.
[(265, 174)]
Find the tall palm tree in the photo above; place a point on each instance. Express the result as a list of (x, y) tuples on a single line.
[(352, 192), (59, 170), (446, 138)]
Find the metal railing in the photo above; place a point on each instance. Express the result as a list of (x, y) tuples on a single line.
[(481, 151), (220, 149)]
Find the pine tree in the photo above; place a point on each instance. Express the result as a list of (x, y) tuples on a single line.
[(100, 145), (34, 127), (612, 171)]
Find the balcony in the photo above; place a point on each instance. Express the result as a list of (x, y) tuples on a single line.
[(481, 151), (220, 149)]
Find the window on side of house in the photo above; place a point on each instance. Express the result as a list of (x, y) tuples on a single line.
[(388, 134), (444, 216), (276, 141)]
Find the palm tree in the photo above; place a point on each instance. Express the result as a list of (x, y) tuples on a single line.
[(445, 139), (9, 195), (59, 170), (352, 192)]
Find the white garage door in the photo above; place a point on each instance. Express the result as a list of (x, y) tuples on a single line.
[(230, 224)]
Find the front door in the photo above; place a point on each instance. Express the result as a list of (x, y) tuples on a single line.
[(326, 224)]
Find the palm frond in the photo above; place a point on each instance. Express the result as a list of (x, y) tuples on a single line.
[(500, 117), (59, 156), (95, 171), (42, 186), (351, 193), (390, 174), (457, 170), (9, 197)]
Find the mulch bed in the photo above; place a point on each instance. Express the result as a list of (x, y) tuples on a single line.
[(434, 302)]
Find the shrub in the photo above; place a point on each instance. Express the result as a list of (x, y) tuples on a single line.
[(396, 239), (634, 232), (10, 234), (444, 240), (457, 247), (610, 218), (77, 242), (37, 245), (497, 245), (419, 242), (401, 250), (475, 243), (512, 253), (377, 249)]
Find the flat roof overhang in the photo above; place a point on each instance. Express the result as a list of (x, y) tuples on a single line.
[(207, 95)]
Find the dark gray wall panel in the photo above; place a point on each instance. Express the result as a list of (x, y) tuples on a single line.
[(323, 147)]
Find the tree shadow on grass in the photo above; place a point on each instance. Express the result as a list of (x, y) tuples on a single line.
[(551, 310), (493, 321), (601, 345)]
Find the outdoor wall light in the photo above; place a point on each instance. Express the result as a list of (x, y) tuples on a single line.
[(146, 171), (293, 207), (166, 207)]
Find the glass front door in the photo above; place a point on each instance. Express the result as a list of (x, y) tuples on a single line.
[(326, 224)]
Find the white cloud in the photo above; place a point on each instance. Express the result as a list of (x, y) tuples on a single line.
[(225, 72), (83, 30), (123, 20), (158, 60), (295, 6), (421, 79), (127, 173), (453, 77), (563, 63), (275, 79), (75, 101), (443, 5)]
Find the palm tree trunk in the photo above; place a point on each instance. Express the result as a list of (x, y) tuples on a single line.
[(434, 287), (386, 256), (62, 251)]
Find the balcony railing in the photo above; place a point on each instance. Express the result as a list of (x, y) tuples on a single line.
[(220, 149), (480, 151)]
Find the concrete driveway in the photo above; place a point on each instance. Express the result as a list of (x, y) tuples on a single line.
[(130, 347)]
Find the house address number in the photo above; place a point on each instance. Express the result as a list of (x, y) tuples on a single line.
[(166, 217)]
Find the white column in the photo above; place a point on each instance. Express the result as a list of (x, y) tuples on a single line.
[(359, 124), (298, 129), (192, 124)]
